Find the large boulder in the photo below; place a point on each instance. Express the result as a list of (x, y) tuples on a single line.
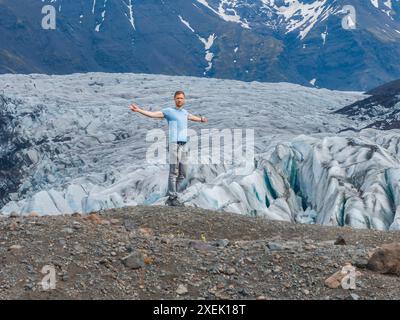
[(386, 259)]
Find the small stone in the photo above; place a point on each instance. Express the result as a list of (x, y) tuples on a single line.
[(243, 292), (146, 232), (68, 230), (274, 246), (277, 269), (134, 261), (213, 270), (287, 285), (93, 217), (182, 289), (14, 215), (335, 281), (129, 225), (230, 271), (361, 263), (222, 243), (13, 226), (28, 286), (201, 245), (33, 214), (77, 225), (354, 296), (15, 247), (220, 286), (79, 248), (104, 262), (306, 292), (221, 295), (64, 276), (114, 221), (113, 253), (105, 222), (310, 247), (340, 241)]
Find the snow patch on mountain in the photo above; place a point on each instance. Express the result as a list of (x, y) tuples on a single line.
[(303, 16), (186, 23), (130, 14), (386, 3), (375, 3), (324, 35), (226, 10), (208, 43), (293, 15), (103, 17), (386, 6)]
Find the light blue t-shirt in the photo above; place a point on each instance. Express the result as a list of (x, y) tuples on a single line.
[(177, 123)]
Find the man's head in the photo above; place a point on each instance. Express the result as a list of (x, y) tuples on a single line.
[(179, 98)]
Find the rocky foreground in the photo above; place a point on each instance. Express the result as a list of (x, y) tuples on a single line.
[(187, 253)]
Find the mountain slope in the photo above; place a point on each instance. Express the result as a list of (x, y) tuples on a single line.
[(299, 41)]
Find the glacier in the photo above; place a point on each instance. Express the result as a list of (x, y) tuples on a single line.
[(70, 144)]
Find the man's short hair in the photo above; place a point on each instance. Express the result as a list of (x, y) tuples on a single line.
[(179, 92)]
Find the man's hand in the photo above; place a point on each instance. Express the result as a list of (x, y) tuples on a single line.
[(197, 118), (150, 114), (134, 107)]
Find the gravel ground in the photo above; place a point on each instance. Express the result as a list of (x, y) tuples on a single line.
[(184, 253)]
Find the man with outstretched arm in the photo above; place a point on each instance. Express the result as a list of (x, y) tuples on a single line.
[(177, 118)]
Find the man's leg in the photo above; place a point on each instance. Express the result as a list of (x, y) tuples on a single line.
[(182, 166), (173, 171), (172, 181)]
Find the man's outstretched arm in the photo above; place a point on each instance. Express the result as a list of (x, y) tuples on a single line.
[(197, 118), (150, 114)]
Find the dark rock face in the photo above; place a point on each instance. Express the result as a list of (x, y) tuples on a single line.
[(252, 41), (381, 109)]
